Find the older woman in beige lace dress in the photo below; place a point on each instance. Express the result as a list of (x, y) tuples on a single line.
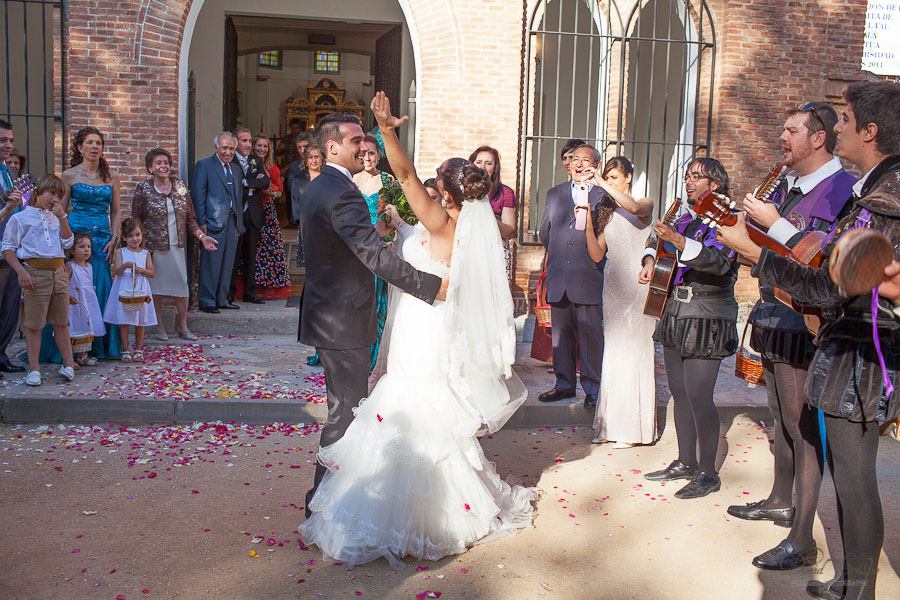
[(163, 204)]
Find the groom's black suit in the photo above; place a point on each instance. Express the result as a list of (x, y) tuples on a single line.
[(337, 313)]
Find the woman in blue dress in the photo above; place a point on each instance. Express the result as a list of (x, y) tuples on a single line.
[(370, 181), (92, 200)]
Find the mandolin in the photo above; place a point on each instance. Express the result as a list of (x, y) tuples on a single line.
[(664, 270), (858, 260), (718, 210)]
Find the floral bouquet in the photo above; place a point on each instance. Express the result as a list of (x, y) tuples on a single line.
[(392, 193)]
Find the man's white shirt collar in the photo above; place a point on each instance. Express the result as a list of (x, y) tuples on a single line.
[(806, 183), (858, 186), (342, 169)]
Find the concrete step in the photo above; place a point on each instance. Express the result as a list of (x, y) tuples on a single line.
[(264, 379), (273, 317)]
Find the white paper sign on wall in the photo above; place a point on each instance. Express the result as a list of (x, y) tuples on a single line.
[(881, 50)]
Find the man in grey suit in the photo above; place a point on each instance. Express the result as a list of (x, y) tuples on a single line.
[(9, 281), (217, 196), (343, 250), (574, 285)]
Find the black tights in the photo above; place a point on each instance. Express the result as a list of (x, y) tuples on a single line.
[(692, 382), (852, 452), (798, 449)]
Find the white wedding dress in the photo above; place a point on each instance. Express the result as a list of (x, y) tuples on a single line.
[(409, 476), (626, 412)]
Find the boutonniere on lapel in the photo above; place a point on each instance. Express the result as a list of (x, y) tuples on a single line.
[(180, 188)]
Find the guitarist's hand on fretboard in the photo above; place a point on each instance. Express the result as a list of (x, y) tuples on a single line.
[(12, 199), (764, 213), (738, 239)]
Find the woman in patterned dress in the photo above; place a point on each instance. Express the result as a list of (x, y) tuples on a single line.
[(272, 279)]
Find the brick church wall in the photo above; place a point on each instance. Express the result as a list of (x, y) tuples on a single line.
[(123, 78)]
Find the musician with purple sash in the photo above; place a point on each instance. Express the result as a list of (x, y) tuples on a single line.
[(697, 330), (857, 359), (810, 199)]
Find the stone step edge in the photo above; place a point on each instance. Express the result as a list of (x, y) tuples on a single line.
[(259, 412)]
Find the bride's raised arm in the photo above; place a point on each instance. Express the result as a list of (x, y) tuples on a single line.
[(427, 211)]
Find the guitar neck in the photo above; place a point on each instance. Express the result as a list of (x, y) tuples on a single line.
[(762, 239)]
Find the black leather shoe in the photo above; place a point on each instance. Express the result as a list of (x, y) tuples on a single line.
[(701, 485), (590, 401), (309, 497), (8, 367), (783, 517), (833, 589), (255, 300), (230, 306), (210, 309), (555, 394), (675, 470), (785, 557)]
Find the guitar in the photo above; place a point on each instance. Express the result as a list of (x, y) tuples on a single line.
[(23, 184), (664, 270), (770, 183), (718, 210)]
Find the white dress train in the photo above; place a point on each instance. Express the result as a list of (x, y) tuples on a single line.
[(626, 412), (409, 476)]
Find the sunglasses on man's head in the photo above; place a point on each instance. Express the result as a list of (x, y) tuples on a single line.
[(811, 108)]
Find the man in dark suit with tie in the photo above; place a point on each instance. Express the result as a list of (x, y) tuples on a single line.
[(255, 179), (218, 202), (9, 282), (342, 251), (574, 283)]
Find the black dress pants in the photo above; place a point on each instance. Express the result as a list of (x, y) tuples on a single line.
[(247, 244), (577, 331), (346, 383), (10, 292)]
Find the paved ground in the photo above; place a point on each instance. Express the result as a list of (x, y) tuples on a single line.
[(198, 510), (211, 512), (248, 367)]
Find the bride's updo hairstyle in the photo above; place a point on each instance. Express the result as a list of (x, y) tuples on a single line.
[(463, 180)]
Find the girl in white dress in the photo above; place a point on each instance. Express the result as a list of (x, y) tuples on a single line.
[(133, 268), (409, 476), (85, 315), (626, 413)]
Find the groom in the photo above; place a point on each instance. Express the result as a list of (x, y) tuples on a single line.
[(342, 251)]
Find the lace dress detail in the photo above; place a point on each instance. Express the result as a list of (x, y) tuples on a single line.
[(409, 476), (627, 409)]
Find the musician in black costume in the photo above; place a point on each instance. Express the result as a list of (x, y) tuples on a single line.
[(854, 369), (809, 199), (697, 330)]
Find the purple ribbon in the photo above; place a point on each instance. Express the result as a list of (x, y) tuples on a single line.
[(884, 372)]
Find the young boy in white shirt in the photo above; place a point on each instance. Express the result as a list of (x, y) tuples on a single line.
[(34, 245)]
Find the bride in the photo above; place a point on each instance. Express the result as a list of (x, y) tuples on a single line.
[(409, 476)]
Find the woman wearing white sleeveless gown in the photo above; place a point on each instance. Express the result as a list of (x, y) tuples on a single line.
[(409, 476), (626, 413)]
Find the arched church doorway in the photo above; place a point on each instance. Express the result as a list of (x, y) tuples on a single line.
[(259, 66)]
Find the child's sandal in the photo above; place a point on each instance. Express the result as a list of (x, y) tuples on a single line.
[(126, 356), (87, 361), (139, 356)]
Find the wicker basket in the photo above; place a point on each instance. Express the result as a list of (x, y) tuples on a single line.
[(541, 307), (82, 340), (747, 366), (134, 300)]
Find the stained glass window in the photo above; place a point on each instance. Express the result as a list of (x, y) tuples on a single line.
[(328, 62), (270, 58)]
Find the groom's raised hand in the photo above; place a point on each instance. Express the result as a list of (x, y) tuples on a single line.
[(442, 293)]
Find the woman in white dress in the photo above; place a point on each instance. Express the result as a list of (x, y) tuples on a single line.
[(626, 413), (409, 476)]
